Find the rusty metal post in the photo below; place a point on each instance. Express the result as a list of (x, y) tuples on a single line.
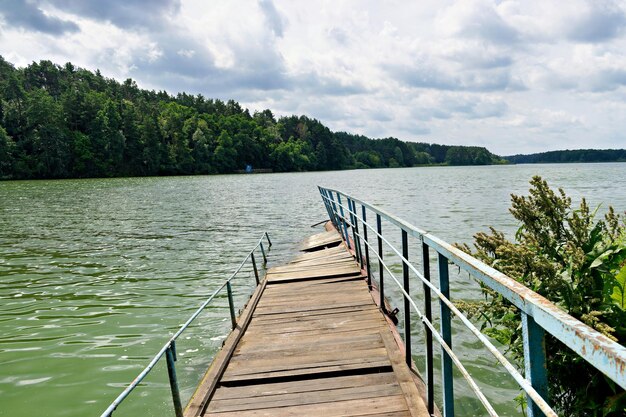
[(534, 362)]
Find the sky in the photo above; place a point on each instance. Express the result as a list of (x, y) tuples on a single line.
[(513, 76)]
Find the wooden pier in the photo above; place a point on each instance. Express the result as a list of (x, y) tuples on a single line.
[(311, 342)]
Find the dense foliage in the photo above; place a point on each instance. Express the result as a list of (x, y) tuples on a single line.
[(578, 155), (60, 122), (579, 264)]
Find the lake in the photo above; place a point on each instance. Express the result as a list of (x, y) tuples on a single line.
[(96, 274)]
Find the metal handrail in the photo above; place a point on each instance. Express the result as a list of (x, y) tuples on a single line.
[(169, 348), (538, 314)]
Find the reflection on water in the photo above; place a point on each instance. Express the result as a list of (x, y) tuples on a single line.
[(95, 274)]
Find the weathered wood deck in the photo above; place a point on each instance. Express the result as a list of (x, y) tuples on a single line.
[(310, 342)]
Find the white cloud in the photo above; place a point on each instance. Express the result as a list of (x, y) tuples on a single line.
[(516, 76)]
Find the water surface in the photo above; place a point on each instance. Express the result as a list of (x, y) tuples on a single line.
[(96, 274)]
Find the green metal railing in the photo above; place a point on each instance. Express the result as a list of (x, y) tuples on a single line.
[(169, 349), (538, 314)]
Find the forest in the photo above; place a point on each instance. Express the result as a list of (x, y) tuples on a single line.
[(68, 122), (577, 155)]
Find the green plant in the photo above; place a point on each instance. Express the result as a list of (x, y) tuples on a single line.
[(578, 263)]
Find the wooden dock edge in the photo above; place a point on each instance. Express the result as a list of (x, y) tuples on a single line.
[(208, 384)]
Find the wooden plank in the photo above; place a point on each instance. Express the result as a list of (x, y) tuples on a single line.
[(310, 385), (315, 298), (360, 407), (354, 307), (319, 240), (298, 348), (282, 309), (313, 322), (321, 253), (313, 283), (306, 339), (344, 286), (304, 398), (241, 365), (312, 266), (313, 274), (295, 289), (333, 315), (325, 259), (319, 327), (362, 364)]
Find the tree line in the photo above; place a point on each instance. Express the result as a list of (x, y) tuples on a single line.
[(68, 122), (576, 155)]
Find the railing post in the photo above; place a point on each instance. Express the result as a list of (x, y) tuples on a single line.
[(231, 305), (263, 253), (367, 249), (381, 282), (345, 226), (430, 377), (534, 362), (170, 355), (407, 306), (333, 215), (256, 271), (269, 242), (338, 221), (355, 232), (327, 205), (446, 334)]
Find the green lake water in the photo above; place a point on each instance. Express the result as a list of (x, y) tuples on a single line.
[(96, 274)]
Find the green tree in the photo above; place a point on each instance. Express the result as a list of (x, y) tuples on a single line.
[(201, 152), (44, 144), (6, 154), (225, 155), (84, 163)]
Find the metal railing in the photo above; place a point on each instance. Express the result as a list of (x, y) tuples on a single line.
[(538, 314), (169, 349)]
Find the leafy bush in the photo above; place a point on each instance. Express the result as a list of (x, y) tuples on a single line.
[(579, 264)]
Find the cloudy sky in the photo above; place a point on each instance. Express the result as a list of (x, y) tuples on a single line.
[(514, 76)]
